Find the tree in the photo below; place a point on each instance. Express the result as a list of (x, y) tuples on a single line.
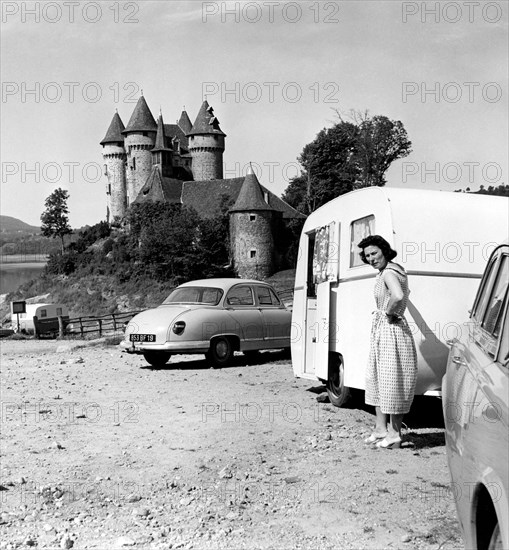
[(55, 222), (351, 154), (501, 190), (380, 142)]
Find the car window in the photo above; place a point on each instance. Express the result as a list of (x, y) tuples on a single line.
[(503, 352), (240, 295), (194, 295), (492, 319), (266, 296), (482, 299), (275, 298)]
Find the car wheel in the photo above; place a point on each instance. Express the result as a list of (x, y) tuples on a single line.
[(338, 393), (496, 539), (220, 352), (156, 358)]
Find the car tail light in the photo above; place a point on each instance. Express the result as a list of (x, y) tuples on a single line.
[(179, 327)]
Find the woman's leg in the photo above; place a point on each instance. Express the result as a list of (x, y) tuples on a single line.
[(381, 421), (394, 427)]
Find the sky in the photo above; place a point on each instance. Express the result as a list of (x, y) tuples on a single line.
[(276, 73)]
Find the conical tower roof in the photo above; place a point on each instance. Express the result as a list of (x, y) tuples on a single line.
[(185, 122), (206, 122), (114, 133), (160, 144), (251, 196), (141, 120)]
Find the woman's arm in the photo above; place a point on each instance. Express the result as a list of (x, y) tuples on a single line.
[(392, 283)]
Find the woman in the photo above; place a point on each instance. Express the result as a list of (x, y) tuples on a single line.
[(392, 368)]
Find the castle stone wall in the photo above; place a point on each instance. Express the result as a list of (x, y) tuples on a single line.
[(138, 148), (115, 159), (250, 236), (207, 155)]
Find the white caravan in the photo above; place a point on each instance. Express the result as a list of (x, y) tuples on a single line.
[(443, 240), (47, 313)]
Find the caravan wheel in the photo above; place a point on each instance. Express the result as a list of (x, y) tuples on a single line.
[(339, 394)]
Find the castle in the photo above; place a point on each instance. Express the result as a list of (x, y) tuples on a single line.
[(183, 163)]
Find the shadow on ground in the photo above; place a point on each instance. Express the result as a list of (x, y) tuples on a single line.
[(239, 360)]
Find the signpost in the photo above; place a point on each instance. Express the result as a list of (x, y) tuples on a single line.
[(17, 308)]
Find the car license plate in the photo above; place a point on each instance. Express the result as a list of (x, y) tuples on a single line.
[(142, 337)]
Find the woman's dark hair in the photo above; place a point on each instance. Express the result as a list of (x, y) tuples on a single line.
[(383, 245)]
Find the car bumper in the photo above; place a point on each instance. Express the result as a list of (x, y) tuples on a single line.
[(170, 347)]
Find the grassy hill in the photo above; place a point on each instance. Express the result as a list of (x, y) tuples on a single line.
[(8, 224)]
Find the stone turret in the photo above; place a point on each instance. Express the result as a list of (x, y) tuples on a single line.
[(162, 155), (206, 144), (140, 136), (114, 156), (251, 231)]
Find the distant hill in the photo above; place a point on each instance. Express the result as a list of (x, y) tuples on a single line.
[(9, 224)]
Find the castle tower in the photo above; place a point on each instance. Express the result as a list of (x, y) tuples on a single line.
[(162, 155), (114, 169), (140, 136), (251, 227), (206, 144), (184, 122)]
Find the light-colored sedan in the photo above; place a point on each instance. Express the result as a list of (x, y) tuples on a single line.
[(212, 316), (475, 403)]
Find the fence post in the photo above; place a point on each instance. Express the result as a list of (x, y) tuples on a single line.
[(100, 327), (81, 328), (61, 328), (114, 323)]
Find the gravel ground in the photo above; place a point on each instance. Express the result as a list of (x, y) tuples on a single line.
[(101, 451)]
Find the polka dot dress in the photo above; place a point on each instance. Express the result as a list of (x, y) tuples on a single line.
[(392, 367)]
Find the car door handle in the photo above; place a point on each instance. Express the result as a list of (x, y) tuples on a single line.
[(457, 360)]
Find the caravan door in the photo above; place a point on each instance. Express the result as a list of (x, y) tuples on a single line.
[(323, 271)]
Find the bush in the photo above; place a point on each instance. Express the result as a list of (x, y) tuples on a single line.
[(61, 264)]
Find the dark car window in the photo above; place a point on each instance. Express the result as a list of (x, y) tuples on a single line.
[(503, 352), (240, 295), (482, 299), (266, 296), (492, 320), (195, 295)]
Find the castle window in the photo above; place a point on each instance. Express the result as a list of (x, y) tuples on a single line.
[(105, 169), (109, 188), (252, 253), (252, 217), (134, 163)]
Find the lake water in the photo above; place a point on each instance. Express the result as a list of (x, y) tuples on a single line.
[(14, 275)]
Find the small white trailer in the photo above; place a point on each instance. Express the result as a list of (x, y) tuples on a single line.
[(443, 240), (47, 314)]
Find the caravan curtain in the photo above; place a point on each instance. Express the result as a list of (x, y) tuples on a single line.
[(325, 254)]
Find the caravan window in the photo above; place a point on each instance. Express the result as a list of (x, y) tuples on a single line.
[(44, 313), (360, 229)]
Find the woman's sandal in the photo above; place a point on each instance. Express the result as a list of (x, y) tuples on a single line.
[(374, 437), (385, 444)]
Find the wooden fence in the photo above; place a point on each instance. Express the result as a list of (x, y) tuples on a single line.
[(111, 324)]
